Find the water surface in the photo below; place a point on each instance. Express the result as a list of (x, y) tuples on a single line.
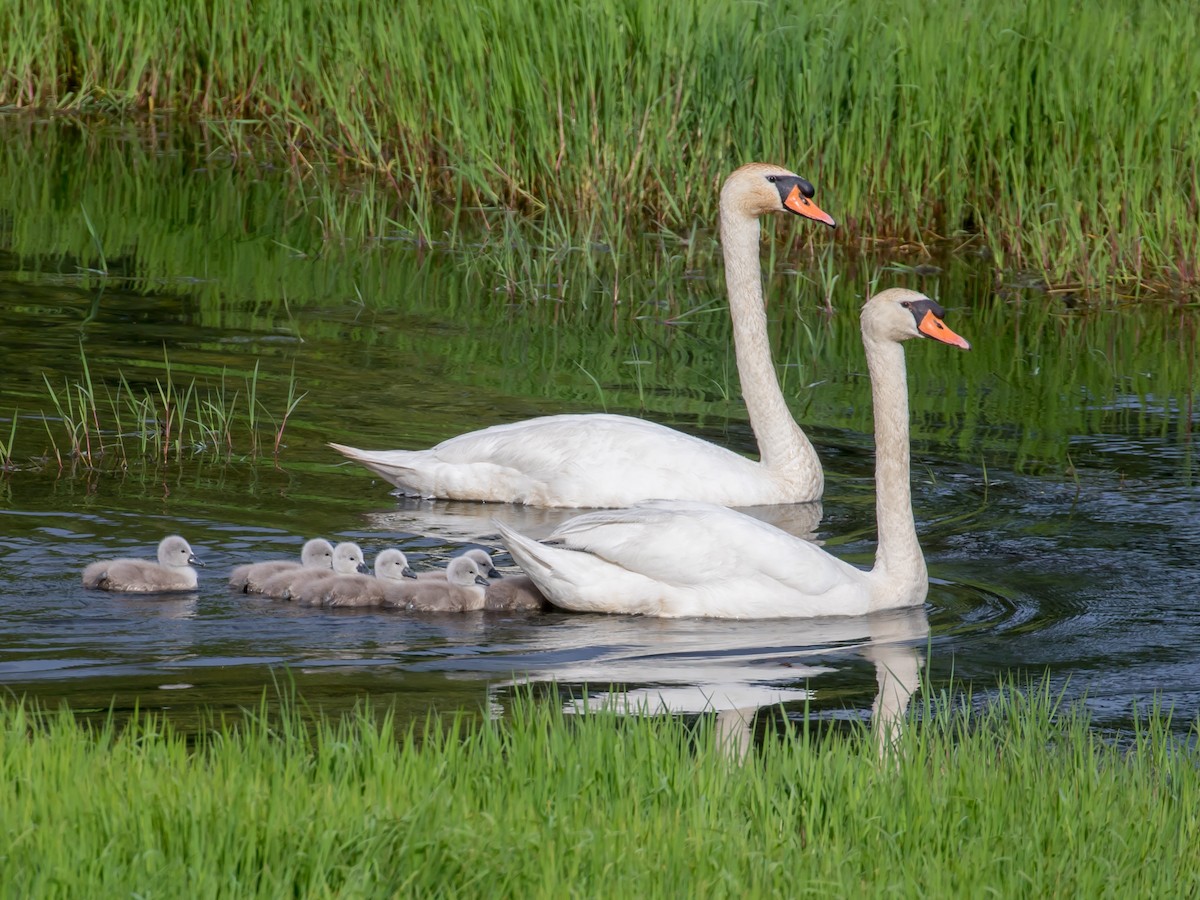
[(1053, 477)]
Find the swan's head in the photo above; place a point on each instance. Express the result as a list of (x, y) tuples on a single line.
[(348, 559), (760, 188), (898, 314), (317, 554), (175, 552), (464, 571), (393, 565)]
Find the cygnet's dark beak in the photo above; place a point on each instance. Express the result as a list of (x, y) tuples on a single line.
[(192, 561), (479, 579), (407, 572)]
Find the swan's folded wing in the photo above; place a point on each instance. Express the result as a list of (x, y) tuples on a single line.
[(697, 543)]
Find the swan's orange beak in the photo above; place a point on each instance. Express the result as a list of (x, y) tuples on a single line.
[(932, 326), (802, 206)]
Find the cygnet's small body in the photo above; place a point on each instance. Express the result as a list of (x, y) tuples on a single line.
[(460, 591), (172, 572), (482, 558), (391, 567), (250, 578), (347, 560), (514, 593)]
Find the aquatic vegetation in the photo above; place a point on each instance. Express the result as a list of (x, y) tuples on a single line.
[(1015, 796), (1073, 159), (96, 425)]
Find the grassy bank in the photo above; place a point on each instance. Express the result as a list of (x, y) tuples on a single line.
[(1066, 138), (1019, 799)]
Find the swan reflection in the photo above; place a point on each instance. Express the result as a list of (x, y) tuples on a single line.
[(731, 668)]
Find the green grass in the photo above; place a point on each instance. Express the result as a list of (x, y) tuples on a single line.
[(97, 425), (1016, 797), (1063, 138)]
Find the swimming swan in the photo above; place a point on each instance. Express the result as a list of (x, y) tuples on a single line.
[(347, 560), (462, 590), (609, 461), (695, 559), (481, 556), (391, 566), (249, 578), (172, 572)]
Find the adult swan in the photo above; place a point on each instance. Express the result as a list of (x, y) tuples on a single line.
[(606, 461), (694, 559)]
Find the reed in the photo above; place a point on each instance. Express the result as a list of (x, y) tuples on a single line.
[(93, 425), (1065, 140), (1010, 795)]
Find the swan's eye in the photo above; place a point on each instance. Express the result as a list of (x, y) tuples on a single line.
[(772, 178), (907, 304)]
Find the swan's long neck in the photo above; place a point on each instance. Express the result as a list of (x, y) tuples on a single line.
[(899, 562), (781, 444)]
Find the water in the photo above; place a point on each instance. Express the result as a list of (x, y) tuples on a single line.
[(1054, 465)]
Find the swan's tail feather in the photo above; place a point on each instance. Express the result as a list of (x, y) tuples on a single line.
[(385, 463), (532, 556)]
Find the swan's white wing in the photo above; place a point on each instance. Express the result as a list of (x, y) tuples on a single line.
[(687, 559), (576, 460)]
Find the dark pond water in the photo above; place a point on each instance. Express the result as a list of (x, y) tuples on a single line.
[(1054, 465)]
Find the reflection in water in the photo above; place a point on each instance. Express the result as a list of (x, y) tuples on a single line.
[(460, 520), (735, 668)]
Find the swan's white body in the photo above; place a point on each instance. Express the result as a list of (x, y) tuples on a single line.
[(694, 559), (610, 461), (172, 572)]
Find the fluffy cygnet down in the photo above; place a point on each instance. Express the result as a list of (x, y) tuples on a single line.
[(249, 578), (347, 559), (460, 591), (515, 592), (172, 572), (482, 558), (391, 567)]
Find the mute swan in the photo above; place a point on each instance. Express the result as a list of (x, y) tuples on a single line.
[(460, 591), (517, 592), (608, 460), (695, 559), (249, 578), (172, 572), (347, 560), (481, 557), (391, 566)]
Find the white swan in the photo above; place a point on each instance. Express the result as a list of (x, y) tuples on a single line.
[(695, 559), (609, 461), (249, 578), (347, 560), (172, 572), (391, 566), (462, 590)]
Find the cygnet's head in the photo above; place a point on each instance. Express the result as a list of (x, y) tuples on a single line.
[(464, 571), (317, 554), (348, 559), (175, 553), (392, 565)]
